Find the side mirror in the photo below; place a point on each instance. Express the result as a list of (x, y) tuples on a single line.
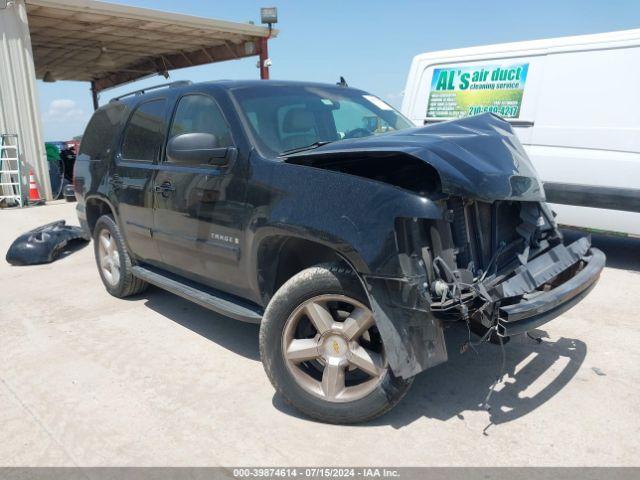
[(198, 149)]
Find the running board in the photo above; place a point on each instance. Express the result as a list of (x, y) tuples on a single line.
[(218, 302)]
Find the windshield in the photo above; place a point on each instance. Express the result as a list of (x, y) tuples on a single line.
[(285, 118)]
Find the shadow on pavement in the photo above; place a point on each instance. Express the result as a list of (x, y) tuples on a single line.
[(238, 337), (534, 372), (463, 382), (622, 252)]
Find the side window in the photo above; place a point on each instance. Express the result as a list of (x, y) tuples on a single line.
[(201, 114), (100, 134), (144, 134)]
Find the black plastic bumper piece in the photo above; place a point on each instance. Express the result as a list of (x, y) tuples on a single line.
[(530, 314), (43, 244)]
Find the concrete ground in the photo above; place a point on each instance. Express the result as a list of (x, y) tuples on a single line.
[(87, 379)]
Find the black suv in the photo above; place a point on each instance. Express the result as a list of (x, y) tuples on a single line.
[(321, 212)]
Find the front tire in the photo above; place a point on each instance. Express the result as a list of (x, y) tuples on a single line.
[(322, 351), (112, 258)]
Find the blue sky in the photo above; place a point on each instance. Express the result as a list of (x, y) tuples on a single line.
[(370, 43)]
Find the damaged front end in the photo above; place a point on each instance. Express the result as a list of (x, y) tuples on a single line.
[(503, 266), (494, 258)]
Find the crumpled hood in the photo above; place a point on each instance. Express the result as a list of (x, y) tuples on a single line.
[(478, 157)]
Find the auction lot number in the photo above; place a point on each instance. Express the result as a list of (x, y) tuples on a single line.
[(315, 472)]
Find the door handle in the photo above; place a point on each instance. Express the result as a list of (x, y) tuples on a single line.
[(164, 188)]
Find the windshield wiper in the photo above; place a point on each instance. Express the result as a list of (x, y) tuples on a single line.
[(302, 149)]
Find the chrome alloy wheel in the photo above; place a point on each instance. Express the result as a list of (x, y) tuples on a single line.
[(109, 257), (333, 349)]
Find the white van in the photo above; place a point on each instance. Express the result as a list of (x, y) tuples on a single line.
[(575, 104)]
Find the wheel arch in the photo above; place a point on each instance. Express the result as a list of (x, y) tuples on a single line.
[(96, 206), (281, 256)]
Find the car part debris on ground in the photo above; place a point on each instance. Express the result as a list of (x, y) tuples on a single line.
[(43, 244)]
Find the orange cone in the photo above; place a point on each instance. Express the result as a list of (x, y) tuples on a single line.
[(34, 195)]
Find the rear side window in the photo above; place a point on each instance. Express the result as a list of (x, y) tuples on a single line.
[(144, 134), (100, 134)]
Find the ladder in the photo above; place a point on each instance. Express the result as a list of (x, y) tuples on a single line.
[(10, 171)]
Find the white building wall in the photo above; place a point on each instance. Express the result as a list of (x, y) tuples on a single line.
[(19, 112)]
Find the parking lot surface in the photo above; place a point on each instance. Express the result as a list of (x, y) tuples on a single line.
[(90, 380)]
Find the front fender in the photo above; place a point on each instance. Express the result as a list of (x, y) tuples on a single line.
[(357, 218), (354, 216), (413, 338)]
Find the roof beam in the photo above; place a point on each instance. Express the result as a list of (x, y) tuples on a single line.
[(139, 42), (180, 60), (145, 14)]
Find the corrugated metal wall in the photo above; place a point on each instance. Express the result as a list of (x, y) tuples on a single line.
[(19, 112)]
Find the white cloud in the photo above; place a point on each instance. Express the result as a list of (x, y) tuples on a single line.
[(63, 118), (63, 110), (63, 104)]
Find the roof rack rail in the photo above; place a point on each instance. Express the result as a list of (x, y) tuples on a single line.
[(179, 83)]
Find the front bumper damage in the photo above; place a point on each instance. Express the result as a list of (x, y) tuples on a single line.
[(537, 307), (535, 293)]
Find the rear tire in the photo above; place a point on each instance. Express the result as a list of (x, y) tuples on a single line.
[(113, 261), (366, 387)]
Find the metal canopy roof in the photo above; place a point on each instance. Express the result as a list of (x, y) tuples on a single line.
[(111, 44)]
